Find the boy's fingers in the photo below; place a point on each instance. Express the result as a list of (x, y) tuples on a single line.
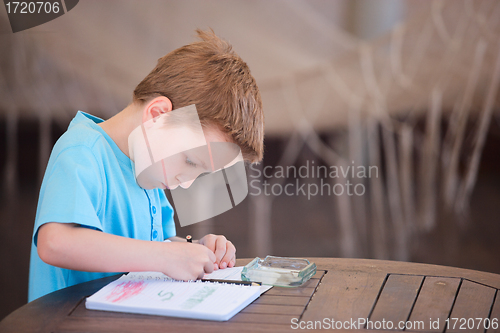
[(212, 257), (232, 262), (229, 255), (209, 265), (220, 248), (209, 242)]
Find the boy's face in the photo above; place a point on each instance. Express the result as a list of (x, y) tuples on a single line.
[(182, 168), (170, 150)]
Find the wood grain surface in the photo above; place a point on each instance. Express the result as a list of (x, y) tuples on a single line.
[(343, 290)]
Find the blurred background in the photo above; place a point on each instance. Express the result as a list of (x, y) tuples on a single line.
[(405, 88)]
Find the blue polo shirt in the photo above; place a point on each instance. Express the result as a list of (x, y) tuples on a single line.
[(90, 181)]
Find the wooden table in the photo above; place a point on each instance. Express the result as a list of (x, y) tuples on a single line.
[(343, 290)]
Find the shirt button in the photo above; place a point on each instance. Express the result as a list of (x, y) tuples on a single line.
[(154, 210), (155, 234)]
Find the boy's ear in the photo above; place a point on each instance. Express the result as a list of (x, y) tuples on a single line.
[(156, 107)]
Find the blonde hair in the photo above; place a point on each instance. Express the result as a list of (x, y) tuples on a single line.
[(209, 74)]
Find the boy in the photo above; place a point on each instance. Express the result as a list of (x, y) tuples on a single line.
[(92, 216)]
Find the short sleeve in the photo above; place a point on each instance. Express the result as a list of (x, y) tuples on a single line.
[(167, 214), (71, 191)]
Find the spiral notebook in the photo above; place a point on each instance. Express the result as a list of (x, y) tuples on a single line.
[(156, 294)]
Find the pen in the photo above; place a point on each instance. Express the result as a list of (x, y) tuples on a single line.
[(247, 283)]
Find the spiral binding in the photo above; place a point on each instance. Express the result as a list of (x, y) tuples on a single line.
[(165, 278)]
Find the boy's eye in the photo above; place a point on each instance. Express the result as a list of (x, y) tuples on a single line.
[(190, 163)]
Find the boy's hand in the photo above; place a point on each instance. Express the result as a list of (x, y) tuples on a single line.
[(224, 250), (188, 261)]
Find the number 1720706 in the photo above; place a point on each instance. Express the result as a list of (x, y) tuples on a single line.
[(48, 7), (471, 323)]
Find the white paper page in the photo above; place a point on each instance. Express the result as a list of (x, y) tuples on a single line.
[(155, 293)]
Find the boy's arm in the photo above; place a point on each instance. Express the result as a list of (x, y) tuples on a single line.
[(73, 247), (224, 250)]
